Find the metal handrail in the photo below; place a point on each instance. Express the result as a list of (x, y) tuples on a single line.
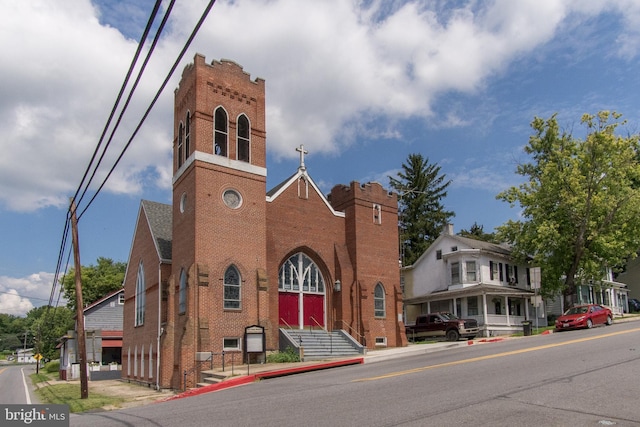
[(317, 323), (353, 331), (324, 329), (285, 322)]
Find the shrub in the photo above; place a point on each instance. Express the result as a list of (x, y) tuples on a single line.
[(287, 356), (53, 366)]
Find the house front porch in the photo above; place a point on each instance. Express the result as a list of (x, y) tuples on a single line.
[(498, 310)]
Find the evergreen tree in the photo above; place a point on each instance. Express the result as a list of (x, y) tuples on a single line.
[(477, 232), (421, 188)]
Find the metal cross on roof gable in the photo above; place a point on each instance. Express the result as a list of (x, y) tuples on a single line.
[(302, 152)]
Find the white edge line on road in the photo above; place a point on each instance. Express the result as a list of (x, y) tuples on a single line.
[(26, 389)]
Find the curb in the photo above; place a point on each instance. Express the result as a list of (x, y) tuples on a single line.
[(246, 379)]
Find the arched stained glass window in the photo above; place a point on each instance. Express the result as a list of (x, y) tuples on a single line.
[(140, 296), (180, 144), (187, 137), (299, 271), (182, 293), (232, 288), (243, 138), (221, 136), (379, 309)]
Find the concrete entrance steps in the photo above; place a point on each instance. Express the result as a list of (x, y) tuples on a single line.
[(321, 344)]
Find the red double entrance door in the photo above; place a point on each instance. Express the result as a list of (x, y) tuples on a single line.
[(296, 308)]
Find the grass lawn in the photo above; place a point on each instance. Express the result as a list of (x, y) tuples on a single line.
[(69, 394)]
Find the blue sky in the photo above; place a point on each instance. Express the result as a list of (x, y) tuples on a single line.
[(362, 84)]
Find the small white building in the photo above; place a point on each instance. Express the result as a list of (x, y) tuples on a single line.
[(25, 356)]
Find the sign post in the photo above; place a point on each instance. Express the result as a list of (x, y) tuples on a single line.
[(254, 342)]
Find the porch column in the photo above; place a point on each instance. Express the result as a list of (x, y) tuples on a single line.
[(484, 308), (526, 309), (507, 309), (455, 307)]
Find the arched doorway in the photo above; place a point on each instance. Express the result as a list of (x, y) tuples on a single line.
[(301, 292)]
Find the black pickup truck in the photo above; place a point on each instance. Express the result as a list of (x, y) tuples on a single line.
[(443, 324)]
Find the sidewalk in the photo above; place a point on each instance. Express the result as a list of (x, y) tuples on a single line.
[(271, 370)]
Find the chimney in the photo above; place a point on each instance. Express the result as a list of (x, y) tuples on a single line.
[(448, 229)]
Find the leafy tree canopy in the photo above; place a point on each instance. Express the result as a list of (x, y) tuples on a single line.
[(41, 329), (421, 188), (580, 201), (97, 281)]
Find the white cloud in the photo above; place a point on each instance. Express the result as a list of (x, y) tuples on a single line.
[(19, 295), (335, 70)]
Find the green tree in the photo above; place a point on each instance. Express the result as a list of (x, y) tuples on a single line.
[(48, 326), (421, 188), (477, 232), (580, 202), (97, 281)]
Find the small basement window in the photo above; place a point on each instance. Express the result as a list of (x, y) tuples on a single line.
[(231, 344), (381, 341)]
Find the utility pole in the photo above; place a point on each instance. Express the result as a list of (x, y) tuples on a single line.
[(80, 338)]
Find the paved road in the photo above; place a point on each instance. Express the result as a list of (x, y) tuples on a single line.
[(586, 378), (15, 384)]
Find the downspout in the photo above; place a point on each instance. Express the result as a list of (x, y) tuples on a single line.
[(159, 326)]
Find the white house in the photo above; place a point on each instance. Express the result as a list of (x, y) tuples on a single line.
[(473, 279)]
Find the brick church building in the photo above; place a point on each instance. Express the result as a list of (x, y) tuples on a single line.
[(227, 254)]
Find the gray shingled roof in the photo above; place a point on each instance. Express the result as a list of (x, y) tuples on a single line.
[(159, 216), (486, 246)]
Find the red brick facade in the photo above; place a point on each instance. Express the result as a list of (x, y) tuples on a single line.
[(351, 236)]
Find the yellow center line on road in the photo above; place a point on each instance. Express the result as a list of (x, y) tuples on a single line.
[(492, 356)]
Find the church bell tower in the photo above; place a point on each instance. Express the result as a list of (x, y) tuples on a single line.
[(218, 218)]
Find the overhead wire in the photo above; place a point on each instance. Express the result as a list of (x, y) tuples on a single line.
[(65, 233), (157, 95), (134, 60), (155, 99)]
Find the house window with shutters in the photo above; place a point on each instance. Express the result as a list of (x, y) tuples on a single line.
[(455, 273), (471, 271)]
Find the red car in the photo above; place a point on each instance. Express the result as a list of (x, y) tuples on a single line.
[(584, 316)]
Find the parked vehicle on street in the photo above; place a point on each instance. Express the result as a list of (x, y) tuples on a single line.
[(584, 316), (444, 325), (634, 305)]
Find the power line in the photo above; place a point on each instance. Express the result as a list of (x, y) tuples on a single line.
[(153, 102), (22, 296), (113, 110), (134, 60)]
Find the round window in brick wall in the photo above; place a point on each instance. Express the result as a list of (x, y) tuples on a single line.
[(232, 198)]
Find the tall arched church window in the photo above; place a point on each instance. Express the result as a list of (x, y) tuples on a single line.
[(180, 144), (299, 271), (182, 293), (140, 296), (232, 288), (187, 136), (221, 136), (379, 309), (243, 138)]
